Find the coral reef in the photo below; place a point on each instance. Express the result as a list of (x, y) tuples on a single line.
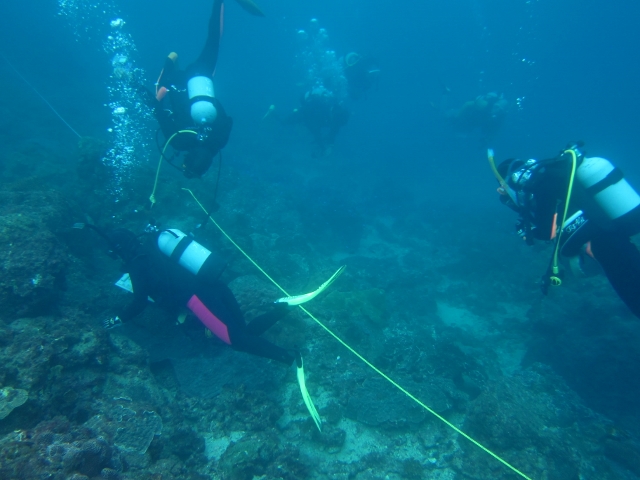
[(10, 399), (33, 259), (158, 399)]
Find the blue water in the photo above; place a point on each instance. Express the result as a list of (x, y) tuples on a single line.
[(569, 71)]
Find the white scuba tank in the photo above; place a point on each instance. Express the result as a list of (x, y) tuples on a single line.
[(201, 95), (606, 186), (190, 254)]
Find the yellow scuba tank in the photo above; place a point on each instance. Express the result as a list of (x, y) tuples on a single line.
[(197, 259), (606, 187)]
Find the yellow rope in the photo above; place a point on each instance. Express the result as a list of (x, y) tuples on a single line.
[(152, 197), (364, 360)]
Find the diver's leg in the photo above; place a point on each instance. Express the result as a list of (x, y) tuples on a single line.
[(620, 260), (224, 298), (205, 65), (245, 337), (264, 322), (243, 342), (219, 311)]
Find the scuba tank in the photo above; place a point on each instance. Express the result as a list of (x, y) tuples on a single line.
[(607, 191), (182, 249), (201, 96)]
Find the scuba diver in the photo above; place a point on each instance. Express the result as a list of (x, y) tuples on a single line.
[(485, 115), (178, 273), (583, 204), (322, 108), (362, 74), (323, 114), (191, 118)]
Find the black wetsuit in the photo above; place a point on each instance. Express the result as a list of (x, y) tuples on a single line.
[(361, 76), (212, 137), (322, 115), (174, 288), (611, 246)]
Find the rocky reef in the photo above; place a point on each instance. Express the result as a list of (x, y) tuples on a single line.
[(159, 399)]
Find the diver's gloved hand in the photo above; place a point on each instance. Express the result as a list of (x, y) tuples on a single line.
[(112, 323)]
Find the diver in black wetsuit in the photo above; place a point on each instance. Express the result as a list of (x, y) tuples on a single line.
[(322, 114), (194, 120), (362, 74), (178, 273), (600, 216)]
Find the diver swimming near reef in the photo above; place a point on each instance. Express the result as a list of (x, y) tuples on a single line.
[(584, 205), (327, 84), (190, 116), (178, 273)]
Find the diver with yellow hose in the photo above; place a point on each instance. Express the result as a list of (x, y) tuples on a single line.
[(584, 205), (191, 118)]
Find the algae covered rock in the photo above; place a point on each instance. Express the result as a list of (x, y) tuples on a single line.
[(33, 260), (56, 449), (248, 457), (535, 422), (377, 403), (10, 399), (368, 305), (131, 428), (261, 456)]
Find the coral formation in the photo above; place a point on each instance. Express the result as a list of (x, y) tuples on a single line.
[(10, 399), (158, 399)]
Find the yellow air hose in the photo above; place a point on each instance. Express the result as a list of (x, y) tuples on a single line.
[(554, 279), (152, 197), (501, 180)]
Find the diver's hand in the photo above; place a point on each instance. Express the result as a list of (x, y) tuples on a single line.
[(112, 323)]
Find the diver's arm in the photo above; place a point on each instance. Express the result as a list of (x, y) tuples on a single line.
[(134, 309), (139, 282), (550, 193)]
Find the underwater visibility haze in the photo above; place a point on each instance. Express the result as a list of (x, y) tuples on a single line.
[(262, 240)]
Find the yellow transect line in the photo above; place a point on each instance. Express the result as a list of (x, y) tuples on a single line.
[(363, 359)]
